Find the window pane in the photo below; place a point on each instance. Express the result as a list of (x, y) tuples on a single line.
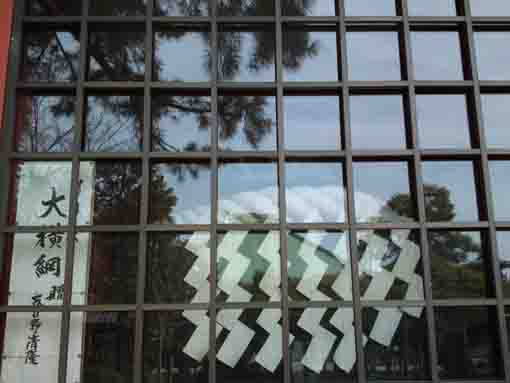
[(377, 122), (310, 55), (247, 122), (315, 192), (459, 265), (450, 192), (110, 193), (436, 56), (496, 114), (319, 266), (45, 123), (323, 347), (180, 193), (178, 267), (248, 193), (382, 192), (113, 8), (490, 55), (431, 8), (116, 56), (51, 56), (390, 265), (114, 123), (443, 121), (181, 123), (490, 8), (504, 260), (248, 267), (63, 8), (500, 177), (182, 55), (245, 8), (181, 8), (373, 56), (246, 55), (175, 347), (42, 193), (467, 343), (312, 122), (105, 268), (397, 346), (370, 8), (308, 8)]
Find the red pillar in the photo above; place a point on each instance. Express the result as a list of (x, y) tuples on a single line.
[(6, 12)]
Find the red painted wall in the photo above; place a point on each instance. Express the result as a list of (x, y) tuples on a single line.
[(6, 10)]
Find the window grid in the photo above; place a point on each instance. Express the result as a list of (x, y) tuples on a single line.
[(408, 87)]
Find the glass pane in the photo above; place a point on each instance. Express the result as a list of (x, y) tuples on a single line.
[(504, 260), (114, 124), (490, 8), (249, 346), (61, 8), (490, 55), (323, 348), (319, 266), (247, 122), (310, 55), (101, 347), (181, 55), (245, 8), (110, 193), (312, 122), (390, 265), (180, 193), (382, 192), (436, 56), (397, 346), (117, 8), (377, 122), (373, 56), (175, 347), (42, 193), (181, 8), (34, 267), (116, 56), (442, 121), (459, 265), (432, 8), (31, 346), (51, 56), (178, 267), (248, 193), (467, 343), (496, 114), (450, 192), (315, 192), (370, 8), (308, 8), (181, 123), (500, 172), (105, 268), (248, 267), (246, 55), (45, 123)]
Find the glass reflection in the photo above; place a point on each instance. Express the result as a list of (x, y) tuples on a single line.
[(467, 342), (437, 56), (51, 56), (382, 192), (245, 8), (308, 7), (491, 55), (248, 193), (397, 346), (432, 8), (312, 122), (310, 55), (370, 8), (247, 122), (459, 265), (55, 8), (45, 123), (319, 266), (117, 8), (503, 239), (178, 267), (116, 56), (442, 121), (373, 56), (181, 8), (449, 191), (105, 268), (181, 55), (499, 171), (315, 192), (377, 122), (175, 347), (496, 114), (114, 123), (110, 193), (490, 8)]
